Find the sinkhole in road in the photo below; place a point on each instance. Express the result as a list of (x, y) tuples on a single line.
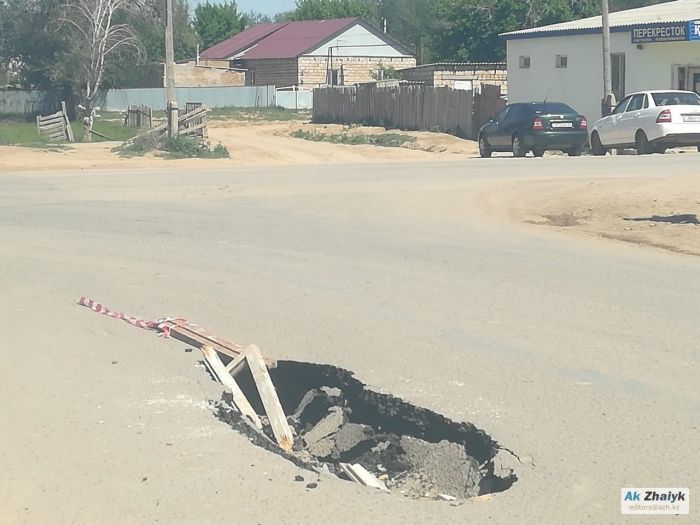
[(337, 419)]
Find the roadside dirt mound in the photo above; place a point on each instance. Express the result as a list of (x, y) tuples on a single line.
[(249, 143), (660, 212)]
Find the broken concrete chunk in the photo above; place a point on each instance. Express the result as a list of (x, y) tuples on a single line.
[(331, 391), (444, 465), (322, 448), (349, 436), (324, 428)]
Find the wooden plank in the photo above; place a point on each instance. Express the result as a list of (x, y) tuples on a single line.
[(49, 117), (361, 475), (100, 135), (191, 130), (236, 365), (268, 396), (69, 130), (51, 121), (225, 379), (53, 127)]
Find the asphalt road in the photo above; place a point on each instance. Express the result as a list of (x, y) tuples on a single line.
[(577, 354)]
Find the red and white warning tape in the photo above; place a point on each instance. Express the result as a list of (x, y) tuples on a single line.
[(158, 325)]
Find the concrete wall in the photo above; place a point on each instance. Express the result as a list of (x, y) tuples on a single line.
[(190, 75), (295, 99), (581, 84), (21, 102), (212, 97), (441, 75), (213, 62), (358, 41), (312, 70)]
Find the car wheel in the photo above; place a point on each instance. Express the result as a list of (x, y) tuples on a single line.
[(518, 149), (538, 152), (641, 143), (484, 147), (660, 149), (575, 151), (597, 146)]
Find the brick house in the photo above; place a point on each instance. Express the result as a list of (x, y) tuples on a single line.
[(455, 74), (311, 53)]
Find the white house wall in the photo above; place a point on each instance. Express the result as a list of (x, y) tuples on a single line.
[(357, 41), (581, 84)]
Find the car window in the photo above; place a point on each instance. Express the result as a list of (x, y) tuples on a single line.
[(499, 116), (646, 102), (514, 113), (621, 106), (549, 108), (675, 98), (636, 103)]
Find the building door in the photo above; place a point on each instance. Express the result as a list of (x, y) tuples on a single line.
[(617, 62)]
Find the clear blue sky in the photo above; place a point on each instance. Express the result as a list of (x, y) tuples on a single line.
[(266, 7)]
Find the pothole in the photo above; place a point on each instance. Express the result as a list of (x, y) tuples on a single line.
[(338, 420)]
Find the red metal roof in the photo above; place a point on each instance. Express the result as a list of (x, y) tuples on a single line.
[(288, 40), (241, 41), (296, 38)]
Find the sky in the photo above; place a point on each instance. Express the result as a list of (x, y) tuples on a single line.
[(266, 7)]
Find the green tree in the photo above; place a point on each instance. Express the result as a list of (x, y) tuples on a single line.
[(329, 9), (413, 23), (214, 23), (468, 30)]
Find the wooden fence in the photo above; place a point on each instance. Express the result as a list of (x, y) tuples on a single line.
[(56, 127), (139, 117), (192, 124), (412, 107)]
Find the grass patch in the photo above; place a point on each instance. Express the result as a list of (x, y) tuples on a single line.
[(173, 148), (20, 132), (387, 140), (184, 148), (259, 114)]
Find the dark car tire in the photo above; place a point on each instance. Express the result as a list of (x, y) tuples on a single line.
[(485, 150), (597, 147), (641, 143), (575, 151), (538, 152), (660, 149), (518, 148)]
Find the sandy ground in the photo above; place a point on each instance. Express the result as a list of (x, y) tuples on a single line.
[(632, 211), (250, 144), (578, 355)]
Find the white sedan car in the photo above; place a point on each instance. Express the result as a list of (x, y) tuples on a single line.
[(651, 122)]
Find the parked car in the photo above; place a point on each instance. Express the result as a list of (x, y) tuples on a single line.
[(536, 127), (651, 122)]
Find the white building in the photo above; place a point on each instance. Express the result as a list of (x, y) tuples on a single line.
[(654, 47)]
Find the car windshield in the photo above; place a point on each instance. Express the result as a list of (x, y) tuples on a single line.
[(549, 108), (672, 98)]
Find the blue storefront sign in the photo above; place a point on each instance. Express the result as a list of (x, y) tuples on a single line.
[(670, 32), (694, 30)]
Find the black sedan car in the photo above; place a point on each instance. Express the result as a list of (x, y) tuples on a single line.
[(536, 127)]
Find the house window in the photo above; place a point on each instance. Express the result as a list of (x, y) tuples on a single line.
[(335, 77), (618, 74), (524, 62), (561, 61)]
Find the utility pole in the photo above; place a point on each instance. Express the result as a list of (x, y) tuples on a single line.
[(608, 96), (170, 94)]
